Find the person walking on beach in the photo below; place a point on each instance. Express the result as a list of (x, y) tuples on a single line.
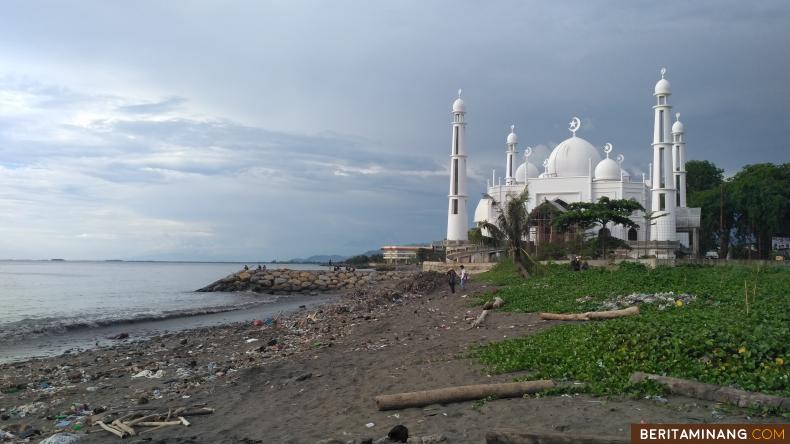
[(451, 278), (464, 277)]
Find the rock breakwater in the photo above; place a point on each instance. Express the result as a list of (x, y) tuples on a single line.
[(285, 281)]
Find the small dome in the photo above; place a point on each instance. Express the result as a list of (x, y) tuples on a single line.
[(527, 168), (677, 127), (458, 106), (572, 157), (662, 88), (607, 169), (512, 138)]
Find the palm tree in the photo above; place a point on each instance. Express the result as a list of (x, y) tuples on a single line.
[(511, 229)]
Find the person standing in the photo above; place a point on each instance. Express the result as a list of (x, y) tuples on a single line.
[(451, 278), (464, 277)]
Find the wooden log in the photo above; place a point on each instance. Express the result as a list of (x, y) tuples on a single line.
[(113, 430), (630, 311), (120, 425), (564, 316), (515, 437), (201, 411), (141, 419), (158, 423), (590, 315), (479, 319), (494, 303), (712, 392), (460, 394)]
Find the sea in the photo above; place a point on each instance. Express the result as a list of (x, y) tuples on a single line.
[(51, 307)]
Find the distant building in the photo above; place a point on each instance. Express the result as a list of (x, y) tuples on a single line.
[(575, 171), (396, 254)]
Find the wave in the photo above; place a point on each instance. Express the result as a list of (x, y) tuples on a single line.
[(26, 328)]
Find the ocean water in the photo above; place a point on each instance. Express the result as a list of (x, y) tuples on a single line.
[(48, 307)]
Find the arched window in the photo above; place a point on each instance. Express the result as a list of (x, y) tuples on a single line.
[(632, 234)]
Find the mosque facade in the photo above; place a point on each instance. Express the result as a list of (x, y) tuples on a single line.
[(578, 171)]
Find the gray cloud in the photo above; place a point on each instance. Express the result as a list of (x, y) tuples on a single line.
[(285, 129)]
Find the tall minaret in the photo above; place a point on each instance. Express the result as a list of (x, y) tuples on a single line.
[(663, 188), (512, 142), (457, 220), (679, 160)]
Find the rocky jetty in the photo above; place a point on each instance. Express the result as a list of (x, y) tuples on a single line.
[(285, 281)]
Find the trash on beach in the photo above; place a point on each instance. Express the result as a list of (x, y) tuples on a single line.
[(119, 336), (257, 323), (149, 374), (370, 425), (251, 340), (58, 438), (399, 433)]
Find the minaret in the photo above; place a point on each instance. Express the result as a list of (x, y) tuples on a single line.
[(457, 220), (512, 142), (663, 188), (679, 160)]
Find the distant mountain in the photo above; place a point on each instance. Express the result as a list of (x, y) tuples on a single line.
[(318, 259)]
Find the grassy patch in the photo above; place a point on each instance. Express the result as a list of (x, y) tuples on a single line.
[(711, 340)]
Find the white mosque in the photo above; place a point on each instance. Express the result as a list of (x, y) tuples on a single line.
[(577, 171)]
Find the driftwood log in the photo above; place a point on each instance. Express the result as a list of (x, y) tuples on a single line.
[(494, 303), (590, 315), (460, 394), (480, 319), (111, 429), (712, 392), (515, 437), (118, 424)]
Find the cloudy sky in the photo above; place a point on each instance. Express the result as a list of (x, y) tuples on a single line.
[(232, 130)]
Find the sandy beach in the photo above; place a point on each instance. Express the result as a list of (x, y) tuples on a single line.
[(313, 376)]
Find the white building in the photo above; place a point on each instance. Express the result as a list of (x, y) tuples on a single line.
[(577, 171)]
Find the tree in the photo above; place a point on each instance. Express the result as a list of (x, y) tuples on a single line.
[(761, 200), (586, 215), (717, 217), (702, 175), (511, 230)]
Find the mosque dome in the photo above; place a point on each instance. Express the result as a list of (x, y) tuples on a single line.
[(607, 169), (458, 106), (572, 157), (512, 138), (677, 127), (662, 88), (527, 168)]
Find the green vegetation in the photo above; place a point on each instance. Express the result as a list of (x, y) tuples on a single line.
[(511, 228), (712, 339), (742, 213), (586, 215)]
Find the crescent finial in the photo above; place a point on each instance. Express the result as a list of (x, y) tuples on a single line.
[(607, 148), (512, 128), (620, 158), (459, 92), (528, 151), (677, 117), (663, 71), (574, 125)]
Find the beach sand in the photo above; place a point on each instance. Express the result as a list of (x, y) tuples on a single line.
[(314, 375)]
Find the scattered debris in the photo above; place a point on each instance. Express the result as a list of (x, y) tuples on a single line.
[(399, 433), (665, 300), (591, 315)]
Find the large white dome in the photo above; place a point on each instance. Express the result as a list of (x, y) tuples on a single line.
[(572, 157), (607, 169), (527, 168)]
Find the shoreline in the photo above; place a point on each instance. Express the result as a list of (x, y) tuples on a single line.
[(313, 376)]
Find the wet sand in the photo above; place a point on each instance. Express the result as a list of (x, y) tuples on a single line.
[(314, 376)]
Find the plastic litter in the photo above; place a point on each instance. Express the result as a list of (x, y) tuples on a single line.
[(60, 438), (149, 374)]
